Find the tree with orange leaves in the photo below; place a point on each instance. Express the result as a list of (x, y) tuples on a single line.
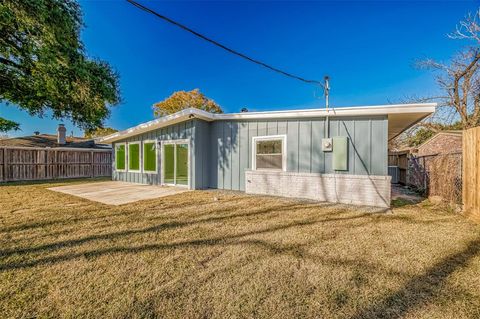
[(183, 100)]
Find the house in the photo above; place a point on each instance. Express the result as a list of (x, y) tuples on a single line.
[(48, 156), (444, 142), (52, 141), (336, 155)]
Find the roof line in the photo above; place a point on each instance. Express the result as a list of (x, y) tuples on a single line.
[(80, 149), (449, 132), (207, 116)]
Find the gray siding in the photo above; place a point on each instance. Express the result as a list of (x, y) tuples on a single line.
[(231, 147), (221, 151), (184, 130)]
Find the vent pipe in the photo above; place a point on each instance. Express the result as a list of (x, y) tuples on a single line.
[(61, 134)]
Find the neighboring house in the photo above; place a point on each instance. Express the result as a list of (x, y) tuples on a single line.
[(336, 155), (444, 142), (52, 141), (47, 156)]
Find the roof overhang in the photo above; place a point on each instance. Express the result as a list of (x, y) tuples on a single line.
[(400, 117), (400, 121), (178, 117)]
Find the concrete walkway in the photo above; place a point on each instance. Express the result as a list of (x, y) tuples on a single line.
[(118, 193)]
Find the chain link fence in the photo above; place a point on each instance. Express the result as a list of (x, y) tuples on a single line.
[(437, 175)]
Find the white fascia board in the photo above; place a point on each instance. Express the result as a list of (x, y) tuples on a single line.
[(341, 111), (425, 108), (158, 123)]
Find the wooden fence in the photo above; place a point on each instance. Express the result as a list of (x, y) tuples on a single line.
[(27, 163), (400, 160), (471, 172)]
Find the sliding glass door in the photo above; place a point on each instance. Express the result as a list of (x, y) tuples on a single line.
[(175, 163)]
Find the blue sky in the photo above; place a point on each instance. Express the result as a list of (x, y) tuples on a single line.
[(368, 49)]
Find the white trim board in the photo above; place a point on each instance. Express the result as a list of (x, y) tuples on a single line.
[(189, 168), (125, 157), (154, 142), (139, 157), (395, 112), (283, 138)]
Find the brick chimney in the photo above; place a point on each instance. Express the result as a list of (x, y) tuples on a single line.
[(61, 134)]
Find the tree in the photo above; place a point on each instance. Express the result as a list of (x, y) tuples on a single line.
[(420, 136), (459, 80), (7, 125), (44, 67), (99, 132), (182, 100)]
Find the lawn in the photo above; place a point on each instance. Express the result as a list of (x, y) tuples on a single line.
[(215, 254)]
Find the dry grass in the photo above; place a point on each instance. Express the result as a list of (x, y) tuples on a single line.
[(189, 256)]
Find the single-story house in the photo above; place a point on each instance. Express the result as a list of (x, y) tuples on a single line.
[(60, 140), (336, 155), (444, 142)]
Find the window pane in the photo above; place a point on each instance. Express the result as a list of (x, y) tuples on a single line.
[(120, 156), (149, 157), (134, 157), (269, 154), (269, 147), (269, 161), (182, 164), (168, 163)]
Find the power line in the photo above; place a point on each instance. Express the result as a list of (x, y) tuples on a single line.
[(201, 36)]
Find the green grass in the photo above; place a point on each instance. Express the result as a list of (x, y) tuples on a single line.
[(192, 256)]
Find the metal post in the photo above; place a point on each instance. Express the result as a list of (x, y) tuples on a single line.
[(327, 95)]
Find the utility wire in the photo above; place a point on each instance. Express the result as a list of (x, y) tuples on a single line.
[(142, 7)]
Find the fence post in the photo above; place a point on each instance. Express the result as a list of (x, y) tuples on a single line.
[(424, 176), (4, 164), (92, 165), (45, 161)]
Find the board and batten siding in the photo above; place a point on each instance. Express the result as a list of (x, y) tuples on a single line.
[(183, 130), (231, 147), (221, 151)]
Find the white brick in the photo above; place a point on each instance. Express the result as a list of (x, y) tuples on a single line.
[(337, 188)]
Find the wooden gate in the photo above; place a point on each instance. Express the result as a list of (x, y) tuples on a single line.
[(471, 172), (29, 163)]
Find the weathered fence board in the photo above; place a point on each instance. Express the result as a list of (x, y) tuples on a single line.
[(22, 163), (471, 172)]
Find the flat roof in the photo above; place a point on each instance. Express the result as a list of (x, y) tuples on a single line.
[(400, 117)]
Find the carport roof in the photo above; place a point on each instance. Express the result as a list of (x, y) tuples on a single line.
[(400, 117)]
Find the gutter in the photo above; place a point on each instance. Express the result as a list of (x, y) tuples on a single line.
[(189, 113)]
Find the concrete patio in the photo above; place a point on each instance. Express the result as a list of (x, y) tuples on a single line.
[(118, 193)]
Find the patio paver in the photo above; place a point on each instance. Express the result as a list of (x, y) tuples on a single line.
[(118, 193)]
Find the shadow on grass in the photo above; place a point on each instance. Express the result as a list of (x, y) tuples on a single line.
[(420, 289), (73, 220), (155, 228), (175, 245)]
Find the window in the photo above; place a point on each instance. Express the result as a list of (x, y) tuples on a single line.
[(269, 153), (134, 157), (120, 157), (150, 156)]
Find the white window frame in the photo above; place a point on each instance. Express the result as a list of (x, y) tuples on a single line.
[(139, 159), (283, 138), (179, 141), (125, 155), (156, 156)]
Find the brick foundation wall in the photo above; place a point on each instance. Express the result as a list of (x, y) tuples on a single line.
[(337, 188)]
